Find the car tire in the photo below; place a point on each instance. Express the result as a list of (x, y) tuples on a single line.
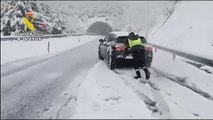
[(111, 62), (99, 55)]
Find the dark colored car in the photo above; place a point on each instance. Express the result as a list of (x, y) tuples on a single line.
[(113, 49)]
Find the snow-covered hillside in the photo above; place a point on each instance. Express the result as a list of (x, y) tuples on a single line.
[(135, 13), (189, 29), (61, 19), (77, 16)]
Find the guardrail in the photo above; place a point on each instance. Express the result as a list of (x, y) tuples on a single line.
[(10, 38), (199, 59)]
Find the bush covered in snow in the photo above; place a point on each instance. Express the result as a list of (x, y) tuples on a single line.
[(13, 12)]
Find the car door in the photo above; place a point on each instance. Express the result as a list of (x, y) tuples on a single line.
[(104, 46), (101, 47), (109, 43)]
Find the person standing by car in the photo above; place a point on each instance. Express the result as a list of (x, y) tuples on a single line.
[(138, 53)]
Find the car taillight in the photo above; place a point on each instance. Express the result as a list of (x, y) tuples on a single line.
[(149, 49), (120, 47)]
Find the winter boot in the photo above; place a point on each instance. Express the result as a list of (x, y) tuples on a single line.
[(138, 74), (147, 73)]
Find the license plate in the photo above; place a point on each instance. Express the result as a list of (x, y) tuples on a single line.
[(129, 57)]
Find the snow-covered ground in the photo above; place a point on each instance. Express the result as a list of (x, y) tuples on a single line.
[(110, 96), (35, 83), (189, 29), (184, 86), (102, 93), (67, 86), (188, 73), (70, 81), (16, 50)]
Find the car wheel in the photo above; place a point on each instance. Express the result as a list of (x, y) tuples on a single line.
[(99, 55), (111, 62)]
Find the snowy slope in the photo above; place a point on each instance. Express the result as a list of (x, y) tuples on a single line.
[(189, 29), (183, 86)]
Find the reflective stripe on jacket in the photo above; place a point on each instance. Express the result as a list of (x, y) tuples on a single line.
[(28, 24), (135, 42)]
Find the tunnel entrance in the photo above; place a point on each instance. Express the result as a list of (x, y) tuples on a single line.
[(101, 28)]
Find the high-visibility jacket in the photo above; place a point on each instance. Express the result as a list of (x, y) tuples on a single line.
[(29, 25), (135, 42)]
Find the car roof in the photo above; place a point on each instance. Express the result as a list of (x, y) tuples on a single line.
[(119, 34)]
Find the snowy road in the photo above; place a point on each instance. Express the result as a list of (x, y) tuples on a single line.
[(75, 84), (27, 92)]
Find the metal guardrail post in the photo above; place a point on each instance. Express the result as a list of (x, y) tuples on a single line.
[(48, 46)]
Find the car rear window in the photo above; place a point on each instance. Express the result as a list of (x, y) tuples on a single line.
[(123, 39)]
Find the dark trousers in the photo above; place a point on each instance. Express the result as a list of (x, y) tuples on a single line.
[(138, 58), (139, 61)]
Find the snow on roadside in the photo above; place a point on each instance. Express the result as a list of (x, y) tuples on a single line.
[(14, 66), (163, 108), (188, 29), (16, 50), (193, 77), (117, 95), (171, 100), (182, 102), (179, 97), (104, 95)]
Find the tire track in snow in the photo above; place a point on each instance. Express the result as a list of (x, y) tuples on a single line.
[(199, 66), (156, 104), (72, 90), (182, 81), (71, 98)]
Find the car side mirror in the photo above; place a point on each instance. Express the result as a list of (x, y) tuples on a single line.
[(101, 40)]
